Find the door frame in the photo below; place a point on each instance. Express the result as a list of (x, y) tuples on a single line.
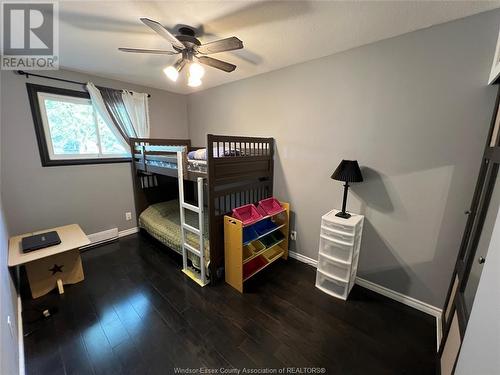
[(487, 177)]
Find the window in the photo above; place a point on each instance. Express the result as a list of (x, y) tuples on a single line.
[(70, 131)]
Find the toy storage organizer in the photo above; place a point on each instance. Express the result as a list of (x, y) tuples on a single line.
[(253, 244), (339, 244)]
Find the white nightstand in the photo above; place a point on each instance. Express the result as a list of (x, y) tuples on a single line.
[(338, 257)]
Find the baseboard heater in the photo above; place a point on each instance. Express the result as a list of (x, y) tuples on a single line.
[(101, 237)]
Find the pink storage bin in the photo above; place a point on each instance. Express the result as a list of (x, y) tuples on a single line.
[(247, 214), (269, 206)]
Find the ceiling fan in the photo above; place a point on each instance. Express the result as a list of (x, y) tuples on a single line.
[(192, 52)]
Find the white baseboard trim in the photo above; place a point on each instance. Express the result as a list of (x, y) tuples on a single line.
[(128, 232), (303, 258), (400, 297), (439, 331), (20, 335), (389, 293)]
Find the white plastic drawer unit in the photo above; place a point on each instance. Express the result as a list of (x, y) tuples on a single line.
[(341, 236), (346, 228), (332, 286), (337, 270), (339, 246), (338, 250), (337, 226)]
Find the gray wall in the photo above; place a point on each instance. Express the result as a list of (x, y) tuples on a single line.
[(414, 110), (94, 196), (9, 353), (479, 352), (9, 349)]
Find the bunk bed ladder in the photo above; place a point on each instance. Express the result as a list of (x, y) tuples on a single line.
[(199, 277)]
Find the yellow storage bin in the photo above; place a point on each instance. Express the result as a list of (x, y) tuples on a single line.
[(251, 249), (273, 253)]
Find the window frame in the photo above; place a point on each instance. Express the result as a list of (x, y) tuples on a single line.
[(47, 157)]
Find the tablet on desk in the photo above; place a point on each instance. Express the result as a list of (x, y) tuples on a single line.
[(40, 241)]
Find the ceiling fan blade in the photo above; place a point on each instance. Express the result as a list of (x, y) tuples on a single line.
[(163, 32), (254, 13), (155, 51), (228, 44), (94, 22), (218, 64)]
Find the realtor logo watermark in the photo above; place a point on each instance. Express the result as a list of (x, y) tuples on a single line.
[(30, 35)]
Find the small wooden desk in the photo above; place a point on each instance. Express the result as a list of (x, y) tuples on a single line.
[(52, 266)]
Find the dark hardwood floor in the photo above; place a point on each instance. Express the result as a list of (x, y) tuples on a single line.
[(136, 313)]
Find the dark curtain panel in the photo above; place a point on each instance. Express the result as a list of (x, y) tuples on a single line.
[(116, 108)]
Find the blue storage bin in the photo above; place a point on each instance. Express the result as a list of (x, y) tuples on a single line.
[(264, 226), (249, 234)]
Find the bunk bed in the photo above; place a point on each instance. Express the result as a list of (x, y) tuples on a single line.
[(229, 172)]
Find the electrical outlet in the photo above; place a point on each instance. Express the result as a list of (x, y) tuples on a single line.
[(293, 235), (11, 329), (128, 216)]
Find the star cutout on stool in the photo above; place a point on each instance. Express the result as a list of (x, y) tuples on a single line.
[(55, 269)]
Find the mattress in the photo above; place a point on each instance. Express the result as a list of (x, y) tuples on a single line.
[(193, 165), (162, 221), (197, 166), (201, 154)]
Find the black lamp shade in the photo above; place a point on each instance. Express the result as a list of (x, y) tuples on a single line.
[(348, 171)]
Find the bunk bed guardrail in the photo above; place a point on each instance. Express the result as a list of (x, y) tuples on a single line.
[(158, 158)]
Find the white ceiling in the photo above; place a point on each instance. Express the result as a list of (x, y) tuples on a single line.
[(275, 34)]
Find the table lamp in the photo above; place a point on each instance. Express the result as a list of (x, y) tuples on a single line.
[(347, 171)]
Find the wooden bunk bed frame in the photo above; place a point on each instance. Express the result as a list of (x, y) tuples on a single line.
[(240, 170)]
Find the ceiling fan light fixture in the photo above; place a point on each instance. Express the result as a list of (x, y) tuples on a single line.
[(171, 73), (192, 51), (196, 71), (194, 82)]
